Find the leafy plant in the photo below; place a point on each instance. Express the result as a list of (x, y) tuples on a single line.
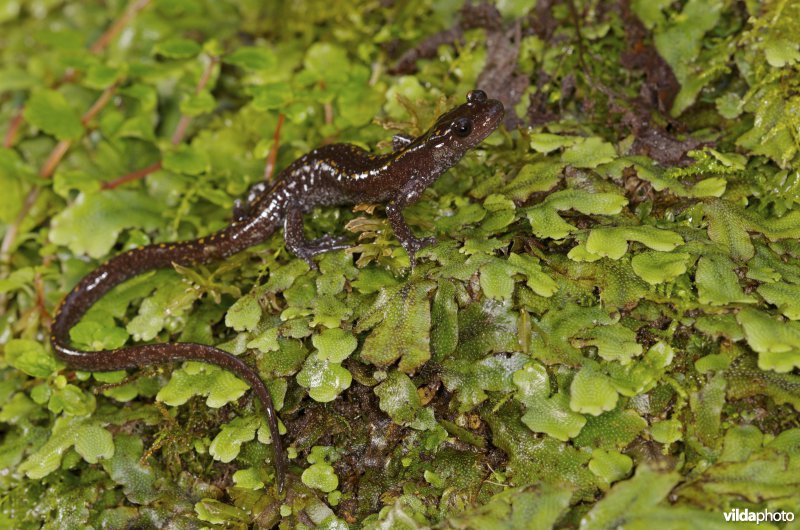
[(605, 334)]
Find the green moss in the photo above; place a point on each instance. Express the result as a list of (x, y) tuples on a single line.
[(614, 288)]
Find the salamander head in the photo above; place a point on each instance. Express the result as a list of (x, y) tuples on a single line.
[(462, 128)]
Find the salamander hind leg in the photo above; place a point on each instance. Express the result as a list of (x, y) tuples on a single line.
[(301, 247)]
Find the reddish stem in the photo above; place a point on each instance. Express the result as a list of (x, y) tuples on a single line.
[(13, 128), (11, 234), (100, 44), (98, 105), (269, 167), (130, 177), (177, 135), (183, 123), (40, 299), (54, 158), (63, 146), (180, 129)]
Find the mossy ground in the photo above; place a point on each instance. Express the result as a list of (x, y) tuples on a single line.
[(605, 335)]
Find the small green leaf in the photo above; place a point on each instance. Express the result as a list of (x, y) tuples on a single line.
[(539, 282), (199, 379), (659, 267), (717, 283), (71, 400), (546, 142), (198, 104), (785, 296), (49, 111), (470, 380), (667, 431), (610, 466), (186, 159), (249, 478), (545, 413), (126, 469), (101, 76), (778, 343), (15, 174), (546, 222), (526, 507), (244, 314), (272, 96), (589, 153), (327, 61), (216, 512), (613, 343), (635, 501), (47, 458), (252, 58), (226, 445), (403, 326), (92, 223), (320, 476), (532, 178), (177, 48), (612, 242), (496, 280), (728, 229), (591, 392), (781, 51), (324, 379), (94, 443), (398, 397), (30, 357), (266, 341), (171, 300), (334, 345)]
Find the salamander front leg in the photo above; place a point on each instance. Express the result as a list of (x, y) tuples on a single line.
[(243, 208), (401, 141), (402, 231), (301, 247)]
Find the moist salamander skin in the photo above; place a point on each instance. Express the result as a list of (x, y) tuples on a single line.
[(333, 175)]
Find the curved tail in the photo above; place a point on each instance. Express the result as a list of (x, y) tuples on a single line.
[(92, 287)]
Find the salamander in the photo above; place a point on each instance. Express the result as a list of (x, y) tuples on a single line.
[(332, 175)]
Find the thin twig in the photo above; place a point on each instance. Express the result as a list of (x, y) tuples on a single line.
[(177, 136), (38, 284), (183, 123), (13, 128), (180, 129), (101, 102), (63, 146), (269, 167), (100, 44), (130, 177), (54, 158), (11, 234)]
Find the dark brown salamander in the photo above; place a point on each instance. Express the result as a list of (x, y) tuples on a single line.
[(332, 175)]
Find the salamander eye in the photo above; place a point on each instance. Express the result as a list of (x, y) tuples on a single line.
[(477, 96), (462, 127)]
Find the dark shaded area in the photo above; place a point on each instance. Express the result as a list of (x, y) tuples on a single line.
[(472, 16), (657, 92), (501, 76), (660, 139)]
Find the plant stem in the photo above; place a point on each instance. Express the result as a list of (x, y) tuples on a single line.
[(269, 167), (177, 135)]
